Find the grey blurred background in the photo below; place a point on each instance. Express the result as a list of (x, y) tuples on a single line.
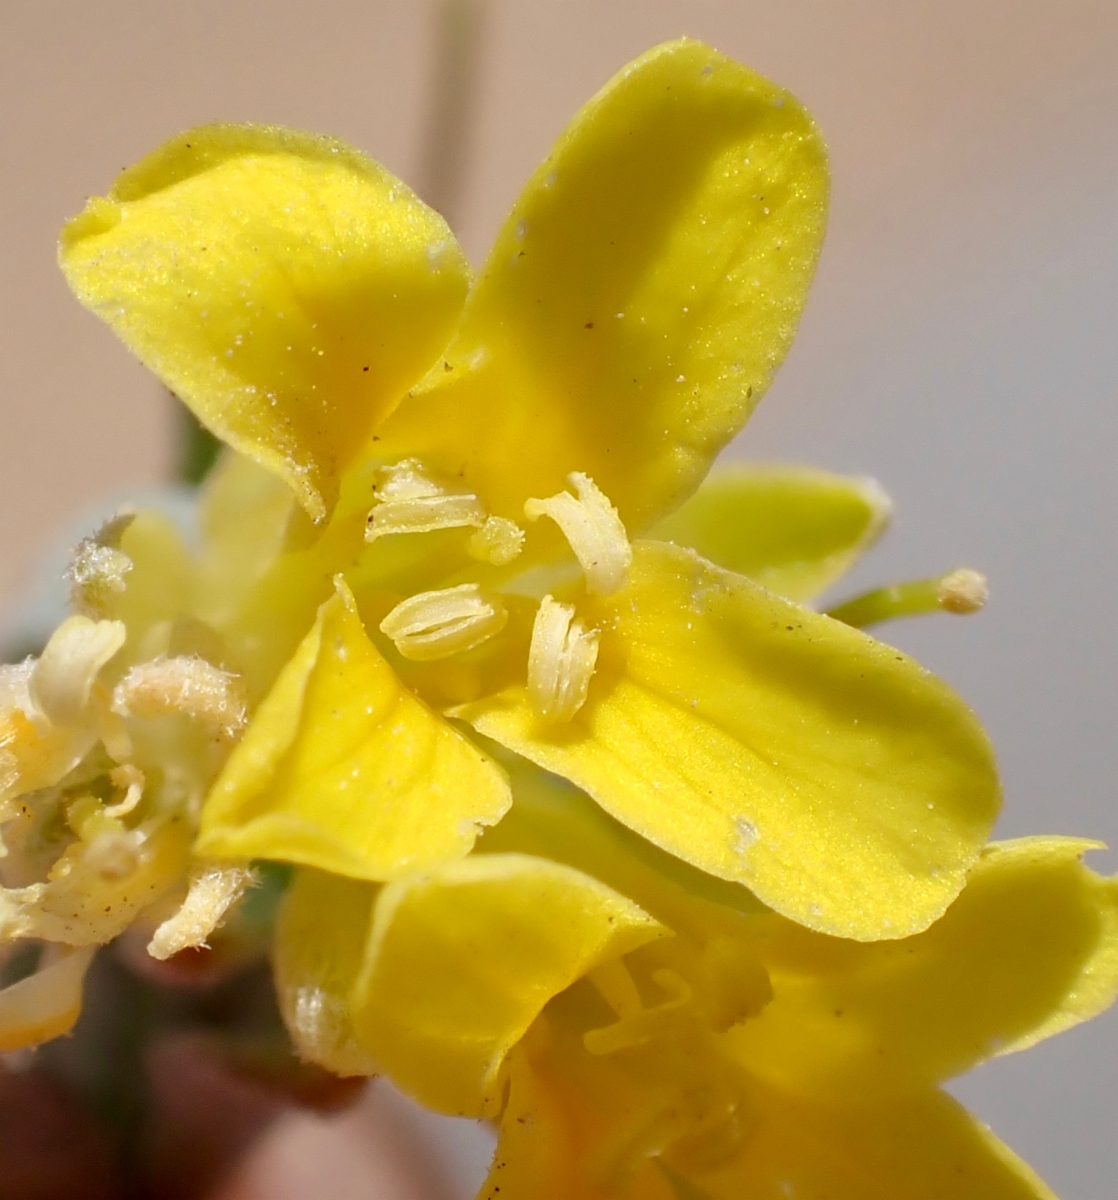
[(959, 346)]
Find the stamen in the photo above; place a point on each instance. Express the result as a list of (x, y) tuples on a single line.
[(131, 779), (561, 661), (98, 567), (213, 890), (187, 685), (434, 625), (643, 1026), (498, 541), (616, 987), (408, 501), (962, 591), (594, 530), (62, 679)]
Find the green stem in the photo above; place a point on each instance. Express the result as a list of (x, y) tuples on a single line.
[(452, 105), (961, 591)]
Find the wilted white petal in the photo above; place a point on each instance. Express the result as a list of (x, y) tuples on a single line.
[(62, 679)]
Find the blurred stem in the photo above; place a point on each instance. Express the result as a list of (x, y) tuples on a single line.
[(458, 51), (198, 448)]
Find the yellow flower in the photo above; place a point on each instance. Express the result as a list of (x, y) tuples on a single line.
[(639, 1030), (319, 318)]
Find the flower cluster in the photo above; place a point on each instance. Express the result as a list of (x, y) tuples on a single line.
[(599, 831)]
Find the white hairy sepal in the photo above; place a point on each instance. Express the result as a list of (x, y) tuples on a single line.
[(213, 891), (183, 684)]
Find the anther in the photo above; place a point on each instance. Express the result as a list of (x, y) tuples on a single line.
[(408, 501), (963, 591), (561, 661), (594, 530), (433, 625)]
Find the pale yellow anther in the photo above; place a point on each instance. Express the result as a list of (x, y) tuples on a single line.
[(187, 685), (594, 530), (498, 541), (213, 891), (434, 625), (98, 568), (561, 661), (963, 591), (408, 501), (62, 679)]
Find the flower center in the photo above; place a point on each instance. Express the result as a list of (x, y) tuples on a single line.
[(438, 624), (696, 1112)]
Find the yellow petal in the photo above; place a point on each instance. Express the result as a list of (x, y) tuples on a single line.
[(846, 786), (342, 768), (538, 1155), (44, 1005), (286, 287), (551, 818), (794, 530), (1028, 949), (576, 1126), (321, 931), (638, 299), (926, 1147), (463, 959)]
